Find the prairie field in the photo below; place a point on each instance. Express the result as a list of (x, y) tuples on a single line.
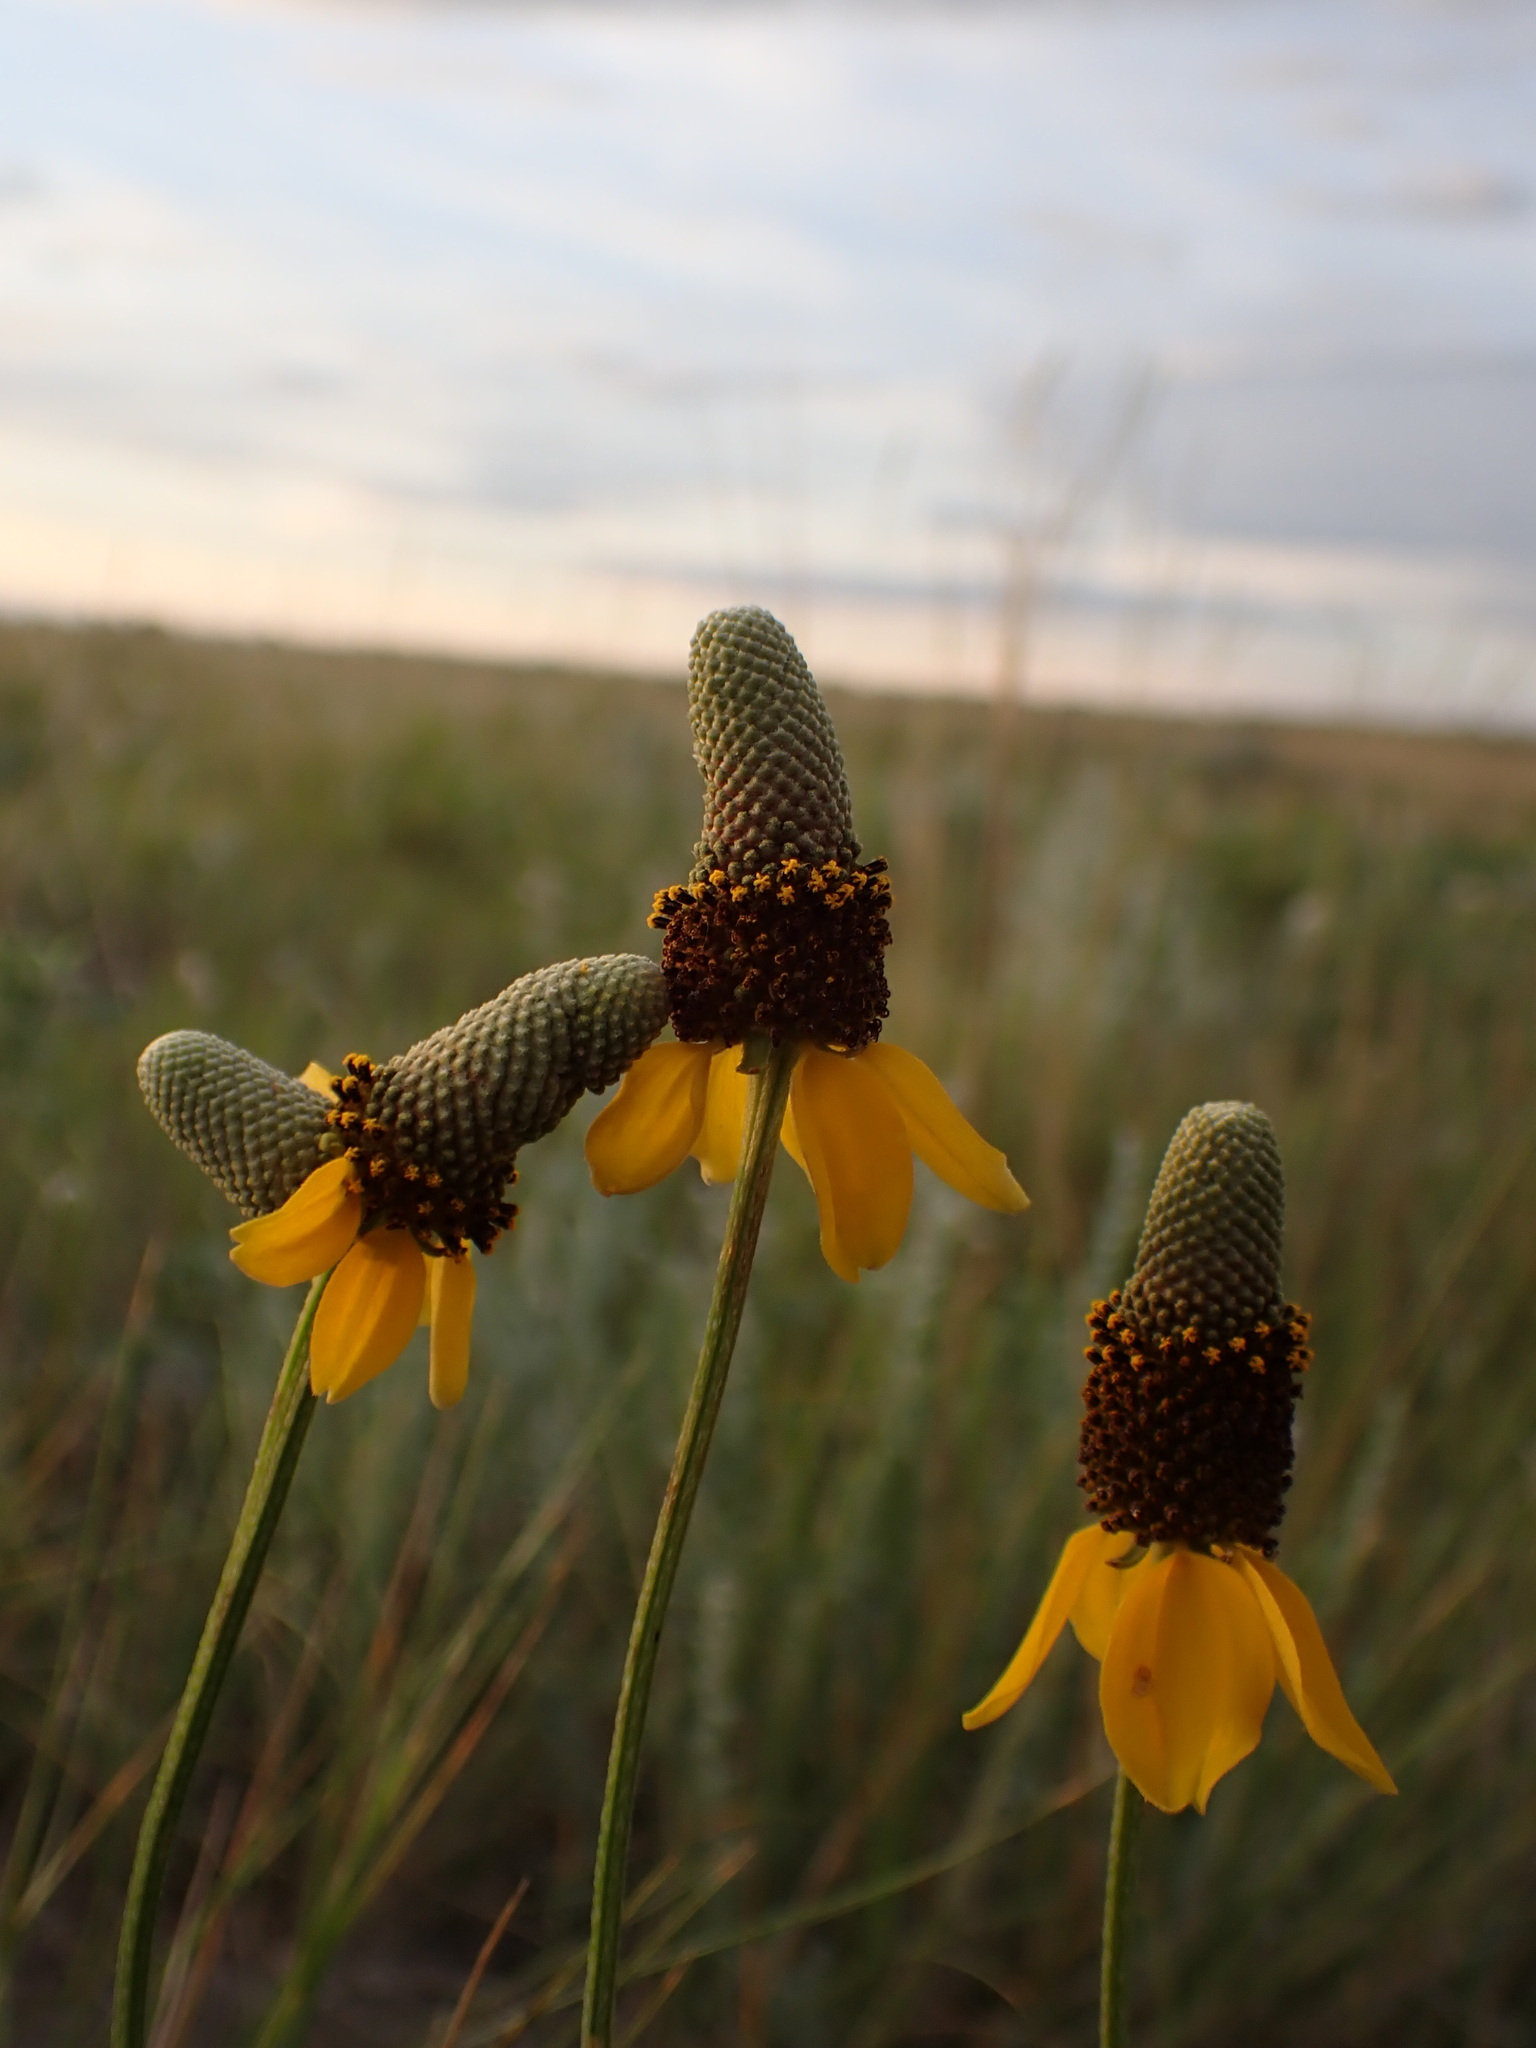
[(1099, 922)]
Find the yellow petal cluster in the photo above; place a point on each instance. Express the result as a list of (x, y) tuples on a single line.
[(1190, 1646), (853, 1125), (376, 1293)]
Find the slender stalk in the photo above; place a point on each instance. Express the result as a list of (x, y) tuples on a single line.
[(1119, 1885), (765, 1115), (277, 1455)]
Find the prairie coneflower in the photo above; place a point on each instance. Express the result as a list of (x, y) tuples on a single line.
[(382, 1178), (778, 937), (774, 961), (391, 1173), (1195, 1366), (1194, 1369)]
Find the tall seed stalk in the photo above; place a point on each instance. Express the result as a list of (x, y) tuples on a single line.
[(765, 1116), (1119, 1890), (277, 1457)]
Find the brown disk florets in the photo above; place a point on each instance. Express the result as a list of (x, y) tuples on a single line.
[(792, 950), (406, 1194), (1187, 1436), (781, 928), (1195, 1365)]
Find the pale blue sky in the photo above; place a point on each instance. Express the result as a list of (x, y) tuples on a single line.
[(541, 330)]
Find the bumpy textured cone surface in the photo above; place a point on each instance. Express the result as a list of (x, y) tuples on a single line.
[(466, 1098), (1210, 1247), (774, 784), (456, 1107), (256, 1132)]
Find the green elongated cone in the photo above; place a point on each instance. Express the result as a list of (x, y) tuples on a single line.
[(255, 1131), (774, 783), (1210, 1247), (465, 1099), (458, 1105)]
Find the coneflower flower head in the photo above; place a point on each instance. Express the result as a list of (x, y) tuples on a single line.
[(384, 1176), (779, 927), (1195, 1363), (780, 934), (433, 1133), (1194, 1369)]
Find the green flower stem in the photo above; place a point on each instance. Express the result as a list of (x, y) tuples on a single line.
[(277, 1455), (765, 1115), (1119, 1885)]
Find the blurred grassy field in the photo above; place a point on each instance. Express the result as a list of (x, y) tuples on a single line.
[(1098, 922)]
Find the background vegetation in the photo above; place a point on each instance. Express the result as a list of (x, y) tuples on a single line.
[(1099, 922)]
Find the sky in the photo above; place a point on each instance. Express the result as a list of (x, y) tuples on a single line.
[(1145, 352)]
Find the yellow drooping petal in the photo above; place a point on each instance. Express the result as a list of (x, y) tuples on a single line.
[(1103, 1588), (1244, 1681), (317, 1077), (1186, 1678), (789, 1137), (1132, 1710), (718, 1150), (831, 1250), (1080, 1556), (939, 1134), (310, 1232), (653, 1123), (1306, 1670), (451, 1303), (858, 1157), (367, 1313)]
